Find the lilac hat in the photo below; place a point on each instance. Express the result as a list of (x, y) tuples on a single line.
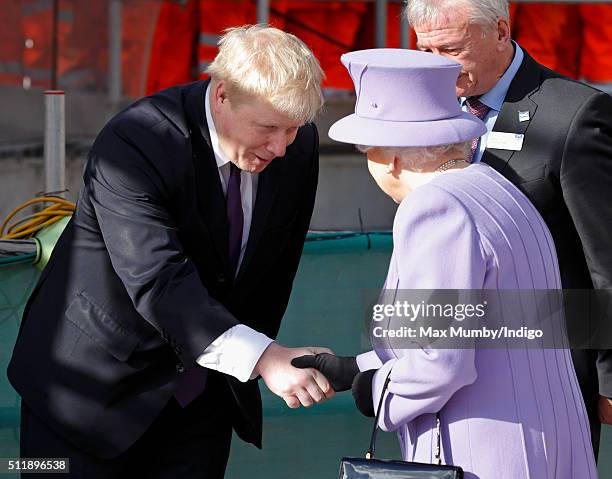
[(404, 98)]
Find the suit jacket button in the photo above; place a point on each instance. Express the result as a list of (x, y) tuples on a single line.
[(221, 278), (180, 368)]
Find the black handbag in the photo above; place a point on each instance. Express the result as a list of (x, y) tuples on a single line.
[(370, 468)]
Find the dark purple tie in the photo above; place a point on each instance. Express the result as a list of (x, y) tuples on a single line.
[(194, 381), (235, 217), (478, 108)]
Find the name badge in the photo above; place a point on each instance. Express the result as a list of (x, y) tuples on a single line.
[(505, 141)]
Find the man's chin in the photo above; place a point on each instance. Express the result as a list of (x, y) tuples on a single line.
[(464, 92), (254, 166), (466, 89), (259, 164)]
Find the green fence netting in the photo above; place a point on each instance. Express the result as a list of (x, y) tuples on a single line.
[(338, 273), (16, 283)]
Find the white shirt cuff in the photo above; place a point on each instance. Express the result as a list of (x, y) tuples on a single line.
[(235, 352)]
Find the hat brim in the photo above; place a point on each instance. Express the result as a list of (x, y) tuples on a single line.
[(371, 132)]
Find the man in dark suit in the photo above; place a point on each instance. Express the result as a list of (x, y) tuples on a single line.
[(549, 135), (140, 344)]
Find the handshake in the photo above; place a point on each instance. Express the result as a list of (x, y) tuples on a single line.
[(305, 376)]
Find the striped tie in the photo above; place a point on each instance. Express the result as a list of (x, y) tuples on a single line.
[(479, 109)]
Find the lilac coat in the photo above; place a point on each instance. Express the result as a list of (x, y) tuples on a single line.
[(505, 413)]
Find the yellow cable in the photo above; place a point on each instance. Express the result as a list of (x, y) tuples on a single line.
[(31, 224), (40, 221), (36, 218)]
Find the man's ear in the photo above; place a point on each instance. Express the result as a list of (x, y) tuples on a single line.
[(503, 30), (219, 93)]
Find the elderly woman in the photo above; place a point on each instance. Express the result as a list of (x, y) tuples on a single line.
[(505, 413)]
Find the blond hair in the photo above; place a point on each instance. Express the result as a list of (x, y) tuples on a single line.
[(262, 61)]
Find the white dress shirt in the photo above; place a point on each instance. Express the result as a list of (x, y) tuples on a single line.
[(236, 351)]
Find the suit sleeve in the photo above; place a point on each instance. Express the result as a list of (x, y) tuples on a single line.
[(130, 194), (436, 246), (586, 181)]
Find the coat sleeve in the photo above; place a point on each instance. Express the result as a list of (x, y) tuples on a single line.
[(368, 360), (436, 246), (586, 182), (128, 188)]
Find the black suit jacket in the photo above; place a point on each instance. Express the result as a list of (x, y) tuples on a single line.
[(565, 169), (139, 284)]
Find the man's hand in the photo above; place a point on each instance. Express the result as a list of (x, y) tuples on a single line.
[(605, 410), (295, 386)]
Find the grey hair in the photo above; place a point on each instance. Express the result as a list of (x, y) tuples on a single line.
[(421, 157), (483, 12)]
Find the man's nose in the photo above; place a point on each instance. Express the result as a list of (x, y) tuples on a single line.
[(277, 144)]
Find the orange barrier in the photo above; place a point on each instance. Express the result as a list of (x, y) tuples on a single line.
[(165, 42), (575, 40)]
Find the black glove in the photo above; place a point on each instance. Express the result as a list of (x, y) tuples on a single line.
[(339, 370), (362, 392)]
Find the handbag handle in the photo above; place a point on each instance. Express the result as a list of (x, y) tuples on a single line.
[(372, 448)]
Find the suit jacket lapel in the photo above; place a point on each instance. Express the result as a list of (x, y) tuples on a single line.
[(267, 188), (210, 193), (518, 98)]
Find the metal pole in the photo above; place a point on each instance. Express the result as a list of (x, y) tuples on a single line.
[(55, 141), (114, 51), (263, 11), (404, 31), (381, 23)]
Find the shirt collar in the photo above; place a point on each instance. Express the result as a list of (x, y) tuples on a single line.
[(220, 157), (494, 98)]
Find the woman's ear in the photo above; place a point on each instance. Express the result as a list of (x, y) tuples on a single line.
[(396, 166)]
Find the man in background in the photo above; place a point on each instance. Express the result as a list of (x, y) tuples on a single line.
[(549, 135)]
